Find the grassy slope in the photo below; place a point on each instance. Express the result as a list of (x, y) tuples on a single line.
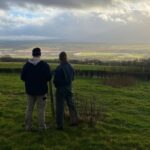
[(126, 125)]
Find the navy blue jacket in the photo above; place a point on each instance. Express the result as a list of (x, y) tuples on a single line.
[(36, 77), (64, 75)]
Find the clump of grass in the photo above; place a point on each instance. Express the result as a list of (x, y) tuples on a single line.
[(120, 81)]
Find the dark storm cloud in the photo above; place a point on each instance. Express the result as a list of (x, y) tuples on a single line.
[(3, 4), (58, 3), (73, 3)]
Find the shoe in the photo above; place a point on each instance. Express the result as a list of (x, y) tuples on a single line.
[(74, 124), (42, 128), (31, 130), (27, 128), (60, 128)]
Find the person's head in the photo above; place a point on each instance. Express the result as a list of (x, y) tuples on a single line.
[(36, 52), (63, 57)]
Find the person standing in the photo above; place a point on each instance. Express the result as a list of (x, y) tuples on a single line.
[(36, 73), (64, 75)]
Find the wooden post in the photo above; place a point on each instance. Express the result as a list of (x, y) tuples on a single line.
[(51, 98)]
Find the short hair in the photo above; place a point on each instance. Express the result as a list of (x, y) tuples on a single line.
[(36, 52), (63, 56)]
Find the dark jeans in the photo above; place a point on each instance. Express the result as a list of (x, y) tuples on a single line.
[(64, 94)]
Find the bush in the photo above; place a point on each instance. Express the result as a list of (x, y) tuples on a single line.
[(119, 81)]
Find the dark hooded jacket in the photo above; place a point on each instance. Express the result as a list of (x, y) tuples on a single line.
[(64, 75), (36, 75)]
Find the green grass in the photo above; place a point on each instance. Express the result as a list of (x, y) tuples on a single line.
[(125, 127)]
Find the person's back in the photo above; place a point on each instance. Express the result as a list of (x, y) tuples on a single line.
[(36, 74), (64, 75)]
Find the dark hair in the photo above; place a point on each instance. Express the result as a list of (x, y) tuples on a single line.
[(63, 56), (36, 52)]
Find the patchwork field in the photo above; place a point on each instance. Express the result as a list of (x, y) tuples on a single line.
[(79, 51), (126, 125)]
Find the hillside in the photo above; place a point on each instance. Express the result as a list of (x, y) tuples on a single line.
[(125, 125)]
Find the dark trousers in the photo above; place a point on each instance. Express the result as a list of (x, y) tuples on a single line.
[(64, 94)]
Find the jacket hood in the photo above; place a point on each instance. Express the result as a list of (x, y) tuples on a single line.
[(34, 62)]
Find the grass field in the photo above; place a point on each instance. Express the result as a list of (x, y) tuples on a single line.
[(126, 125)]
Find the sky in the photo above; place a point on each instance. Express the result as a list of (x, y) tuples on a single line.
[(112, 21)]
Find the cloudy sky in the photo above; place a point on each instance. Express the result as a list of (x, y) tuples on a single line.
[(115, 21)]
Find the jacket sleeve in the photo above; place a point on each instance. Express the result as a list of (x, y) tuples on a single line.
[(23, 75), (48, 73)]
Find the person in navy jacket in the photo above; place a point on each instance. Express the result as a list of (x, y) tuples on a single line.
[(64, 75), (36, 73)]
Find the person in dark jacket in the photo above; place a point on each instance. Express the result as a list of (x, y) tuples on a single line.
[(36, 73), (64, 75)]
